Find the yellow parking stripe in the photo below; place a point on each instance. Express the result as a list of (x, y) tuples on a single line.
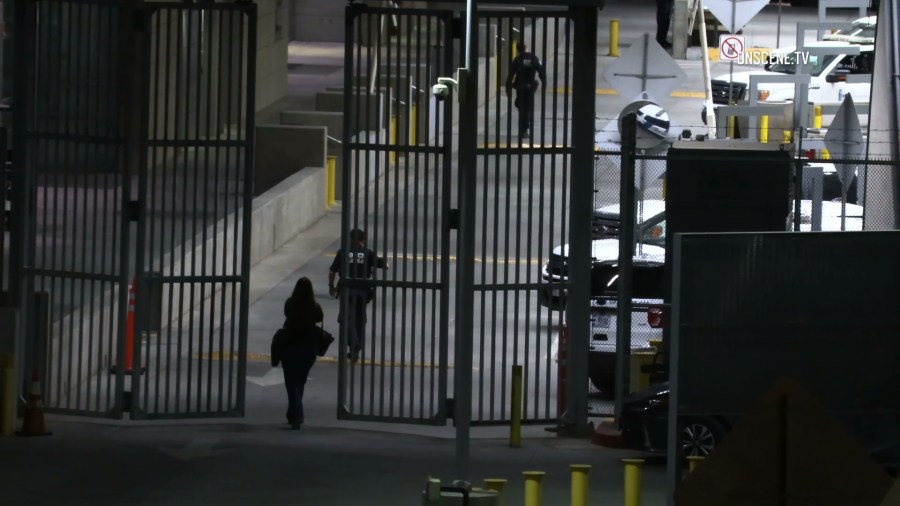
[(265, 357)]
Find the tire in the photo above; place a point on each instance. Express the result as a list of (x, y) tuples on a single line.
[(700, 435)]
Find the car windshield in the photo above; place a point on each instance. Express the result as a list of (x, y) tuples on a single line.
[(816, 64)]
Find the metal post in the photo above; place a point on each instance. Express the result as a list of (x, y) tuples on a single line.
[(695, 460), (579, 484), (533, 487), (581, 205), (467, 161), (515, 425), (613, 37), (633, 481), (626, 257)]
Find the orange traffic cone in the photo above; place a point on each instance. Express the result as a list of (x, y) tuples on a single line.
[(33, 421)]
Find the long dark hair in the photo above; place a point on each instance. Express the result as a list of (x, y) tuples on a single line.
[(303, 295)]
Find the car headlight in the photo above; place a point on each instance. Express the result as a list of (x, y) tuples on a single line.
[(762, 95)]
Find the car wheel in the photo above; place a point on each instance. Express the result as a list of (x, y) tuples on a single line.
[(700, 435)]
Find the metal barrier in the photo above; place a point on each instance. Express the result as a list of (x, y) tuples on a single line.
[(134, 150)]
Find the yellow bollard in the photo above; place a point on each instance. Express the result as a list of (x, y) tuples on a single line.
[(764, 129), (8, 395), (614, 37), (633, 481), (693, 462), (496, 484), (825, 154), (515, 424), (413, 123), (330, 180), (515, 49), (579, 484), (786, 136), (729, 127), (533, 487), (817, 116), (393, 138)]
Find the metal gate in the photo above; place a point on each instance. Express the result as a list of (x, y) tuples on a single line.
[(405, 189), (135, 147), (396, 180)]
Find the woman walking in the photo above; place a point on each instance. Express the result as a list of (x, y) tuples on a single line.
[(298, 352)]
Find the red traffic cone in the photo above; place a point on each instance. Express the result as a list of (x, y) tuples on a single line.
[(33, 421)]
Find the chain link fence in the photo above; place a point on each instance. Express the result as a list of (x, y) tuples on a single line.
[(830, 194)]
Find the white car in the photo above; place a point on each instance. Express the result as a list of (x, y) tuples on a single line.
[(862, 32)]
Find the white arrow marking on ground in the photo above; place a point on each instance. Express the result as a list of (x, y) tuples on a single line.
[(273, 377), (195, 449)]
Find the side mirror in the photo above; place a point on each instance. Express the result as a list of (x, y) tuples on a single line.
[(838, 76)]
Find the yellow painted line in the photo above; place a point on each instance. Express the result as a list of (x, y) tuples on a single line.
[(688, 94), (607, 91), (265, 357), (478, 260)]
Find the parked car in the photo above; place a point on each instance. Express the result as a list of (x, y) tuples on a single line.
[(605, 247), (862, 32), (647, 281), (645, 427), (828, 80)]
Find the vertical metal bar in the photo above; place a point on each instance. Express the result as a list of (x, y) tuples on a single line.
[(626, 252), (168, 219), (444, 118), (583, 105), (222, 45), (418, 303), (347, 189), (139, 116), (485, 184), (409, 294), (83, 98), (179, 127), (467, 165), (110, 207), (437, 395), (230, 93), (249, 113), (158, 178), (92, 106), (67, 262), (389, 231), (383, 156), (190, 166)]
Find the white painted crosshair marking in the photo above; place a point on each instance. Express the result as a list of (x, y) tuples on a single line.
[(631, 75), (731, 47)]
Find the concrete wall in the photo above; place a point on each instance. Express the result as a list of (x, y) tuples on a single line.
[(282, 150), (317, 20), (271, 51)]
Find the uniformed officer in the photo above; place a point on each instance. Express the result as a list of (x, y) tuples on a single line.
[(361, 264), (525, 66)]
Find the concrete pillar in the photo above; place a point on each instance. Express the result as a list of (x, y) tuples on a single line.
[(680, 20)]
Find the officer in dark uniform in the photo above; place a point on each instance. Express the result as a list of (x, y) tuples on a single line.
[(525, 66), (361, 264)]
